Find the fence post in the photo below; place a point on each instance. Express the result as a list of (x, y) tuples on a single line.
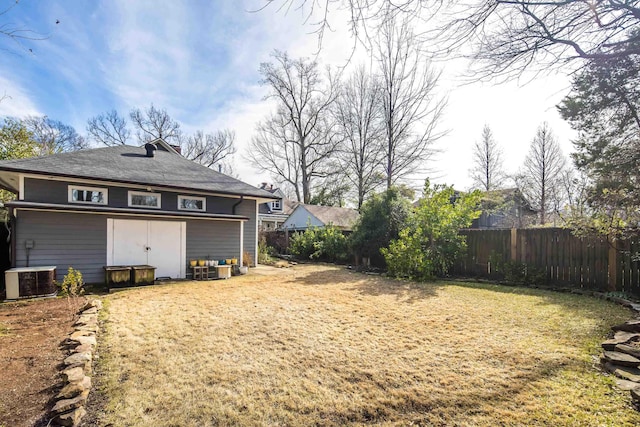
[(514, 244), (613, 267)]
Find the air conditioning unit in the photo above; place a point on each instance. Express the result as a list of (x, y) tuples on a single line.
[(29, 282)]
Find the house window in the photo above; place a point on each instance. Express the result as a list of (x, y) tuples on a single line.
[(190, 203), (144, 200), (276, 205), (91, 195)]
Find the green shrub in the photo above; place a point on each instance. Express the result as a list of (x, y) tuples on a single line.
[(430, 243), (72, 284), (381, 219), (325, 244), (518, 272), (265, 252)]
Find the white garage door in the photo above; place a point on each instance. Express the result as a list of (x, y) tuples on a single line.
[(161, 244)]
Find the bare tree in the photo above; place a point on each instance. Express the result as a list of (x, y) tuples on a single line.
[(510, 36), (154, 123), (208, 149), (295, 143), (506, 36), (359, 121), (487, 173), (540, 179), (53, 136), (18, 34), (274, 150), (410, 108), (109, 129)]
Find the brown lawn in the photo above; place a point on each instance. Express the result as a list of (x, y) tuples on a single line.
[(319, 345), (30, 335)]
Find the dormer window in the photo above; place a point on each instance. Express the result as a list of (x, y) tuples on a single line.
[(276, 205)]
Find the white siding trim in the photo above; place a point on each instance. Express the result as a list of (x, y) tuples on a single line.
[(183, 249), (21, 187), (135, 214), (241, 243), (256, 230), (109, 241)]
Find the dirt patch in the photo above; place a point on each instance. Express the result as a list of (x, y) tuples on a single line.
[(30, 335)]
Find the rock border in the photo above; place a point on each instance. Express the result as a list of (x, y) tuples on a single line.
[(618, 357), (77, 368)]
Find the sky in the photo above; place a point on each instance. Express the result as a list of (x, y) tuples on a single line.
[(199, 60)]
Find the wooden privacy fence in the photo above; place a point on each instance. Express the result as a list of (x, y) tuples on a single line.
[(556, 255)]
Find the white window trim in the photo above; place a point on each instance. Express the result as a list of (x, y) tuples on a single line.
[(105, 192), (202, 199), (273, 205), (145, 193)]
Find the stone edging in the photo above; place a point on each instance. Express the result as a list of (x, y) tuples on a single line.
[(621, 359), (77, 368)]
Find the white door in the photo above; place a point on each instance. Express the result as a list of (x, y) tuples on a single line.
[(166, 248), (129, 242), (161, 244)]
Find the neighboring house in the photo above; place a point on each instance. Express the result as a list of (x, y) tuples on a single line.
[(127, 205), (272, 214), (505, 209), (304, 216)]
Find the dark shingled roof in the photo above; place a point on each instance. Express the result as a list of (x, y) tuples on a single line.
[(129, 164)]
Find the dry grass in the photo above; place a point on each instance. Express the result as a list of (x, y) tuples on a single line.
[(316, 345)]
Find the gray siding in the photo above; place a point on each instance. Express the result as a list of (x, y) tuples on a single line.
[(248, 208), (48, 191), (213, 239), (63, 240), (80, 241)]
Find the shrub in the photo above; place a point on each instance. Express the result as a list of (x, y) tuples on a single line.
[(381, 219), (72, 284), (326, 244), (518, 272), (265, 252), (431, 242)]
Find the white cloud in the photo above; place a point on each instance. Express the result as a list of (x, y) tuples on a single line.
[(16, 101)]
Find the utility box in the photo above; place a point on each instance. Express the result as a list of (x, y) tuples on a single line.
[(29, 282)]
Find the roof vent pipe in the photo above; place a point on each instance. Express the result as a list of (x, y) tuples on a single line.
[(150, 149)]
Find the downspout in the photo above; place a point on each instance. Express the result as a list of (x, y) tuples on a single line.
[(235, 205)]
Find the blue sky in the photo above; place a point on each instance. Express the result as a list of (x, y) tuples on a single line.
[(199, 60)]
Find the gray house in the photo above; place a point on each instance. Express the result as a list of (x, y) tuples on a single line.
[(304, 216), (127, 205), (272, 214)]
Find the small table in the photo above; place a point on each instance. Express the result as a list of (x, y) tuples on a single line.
[(224, 271), (200, 272)]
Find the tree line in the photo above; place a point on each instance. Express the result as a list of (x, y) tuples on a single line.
[(338, 136), (598, 43), (39, 135)]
